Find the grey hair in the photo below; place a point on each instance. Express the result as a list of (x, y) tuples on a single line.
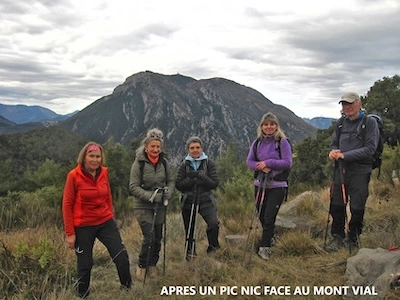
[(193, 139), (152, 134)]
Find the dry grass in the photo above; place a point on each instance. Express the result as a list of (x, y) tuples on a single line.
[(297, 260)]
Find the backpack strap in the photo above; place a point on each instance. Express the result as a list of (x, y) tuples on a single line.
[(164, 162), (141, 167), (278, 146), (255, 147), (363, 126), (339, 127)]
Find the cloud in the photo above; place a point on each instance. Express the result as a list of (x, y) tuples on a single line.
[(63, 55)]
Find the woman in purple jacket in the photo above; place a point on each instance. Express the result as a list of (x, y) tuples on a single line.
[(270, 156)]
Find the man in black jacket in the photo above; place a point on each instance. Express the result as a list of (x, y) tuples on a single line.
[(352, 151)]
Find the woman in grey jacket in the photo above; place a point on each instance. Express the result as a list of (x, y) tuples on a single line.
[(152, 186)]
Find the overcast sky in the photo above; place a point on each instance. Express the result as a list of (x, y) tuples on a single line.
[(65, 54)]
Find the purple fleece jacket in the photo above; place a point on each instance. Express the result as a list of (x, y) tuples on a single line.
[(267, 152)]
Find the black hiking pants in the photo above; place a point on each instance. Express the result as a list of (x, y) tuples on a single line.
[(356, 191), (208, 211), (271, 203), (108, 234)]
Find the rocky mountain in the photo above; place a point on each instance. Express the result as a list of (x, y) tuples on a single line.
[(320, 122), (220, 111), (21, 114)]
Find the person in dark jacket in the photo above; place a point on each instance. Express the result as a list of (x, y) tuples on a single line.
[(353, 157), (269, 161), (197, 177), (88, 214), (152, 186)]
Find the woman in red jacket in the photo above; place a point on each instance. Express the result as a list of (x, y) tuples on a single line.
[(88, 214)]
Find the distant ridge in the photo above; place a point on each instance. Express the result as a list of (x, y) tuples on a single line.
[(21, 114), (320, 122)]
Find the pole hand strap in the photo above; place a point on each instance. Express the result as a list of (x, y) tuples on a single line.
[(153, 196)]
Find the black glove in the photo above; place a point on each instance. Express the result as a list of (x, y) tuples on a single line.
[(167, 193), (193, 174), (202, 174)]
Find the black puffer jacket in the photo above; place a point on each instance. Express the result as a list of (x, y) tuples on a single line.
[(200, 182)]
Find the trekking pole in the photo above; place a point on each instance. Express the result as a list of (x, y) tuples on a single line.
[(193, 216), (329, 208), (260, 206), (165, 231), (344, 197), (252, 220), (259, 202), (149, 248), (188, 232), (195, 227), (249, 233)]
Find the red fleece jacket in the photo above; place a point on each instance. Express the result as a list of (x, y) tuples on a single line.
[(87, 201)]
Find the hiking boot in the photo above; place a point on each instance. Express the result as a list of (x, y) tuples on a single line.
[(212, 249), (352, 244), (264, 252), (336, 243), (125, 288)]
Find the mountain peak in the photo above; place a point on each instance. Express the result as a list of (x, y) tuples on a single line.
[(219, 110)]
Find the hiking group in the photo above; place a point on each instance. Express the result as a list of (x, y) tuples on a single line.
[(88, 211)]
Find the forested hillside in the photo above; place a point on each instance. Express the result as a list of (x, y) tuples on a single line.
[(23, 153)]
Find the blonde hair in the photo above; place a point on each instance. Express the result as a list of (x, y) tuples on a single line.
[(83, 152), (152, 134), (270, 117)]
